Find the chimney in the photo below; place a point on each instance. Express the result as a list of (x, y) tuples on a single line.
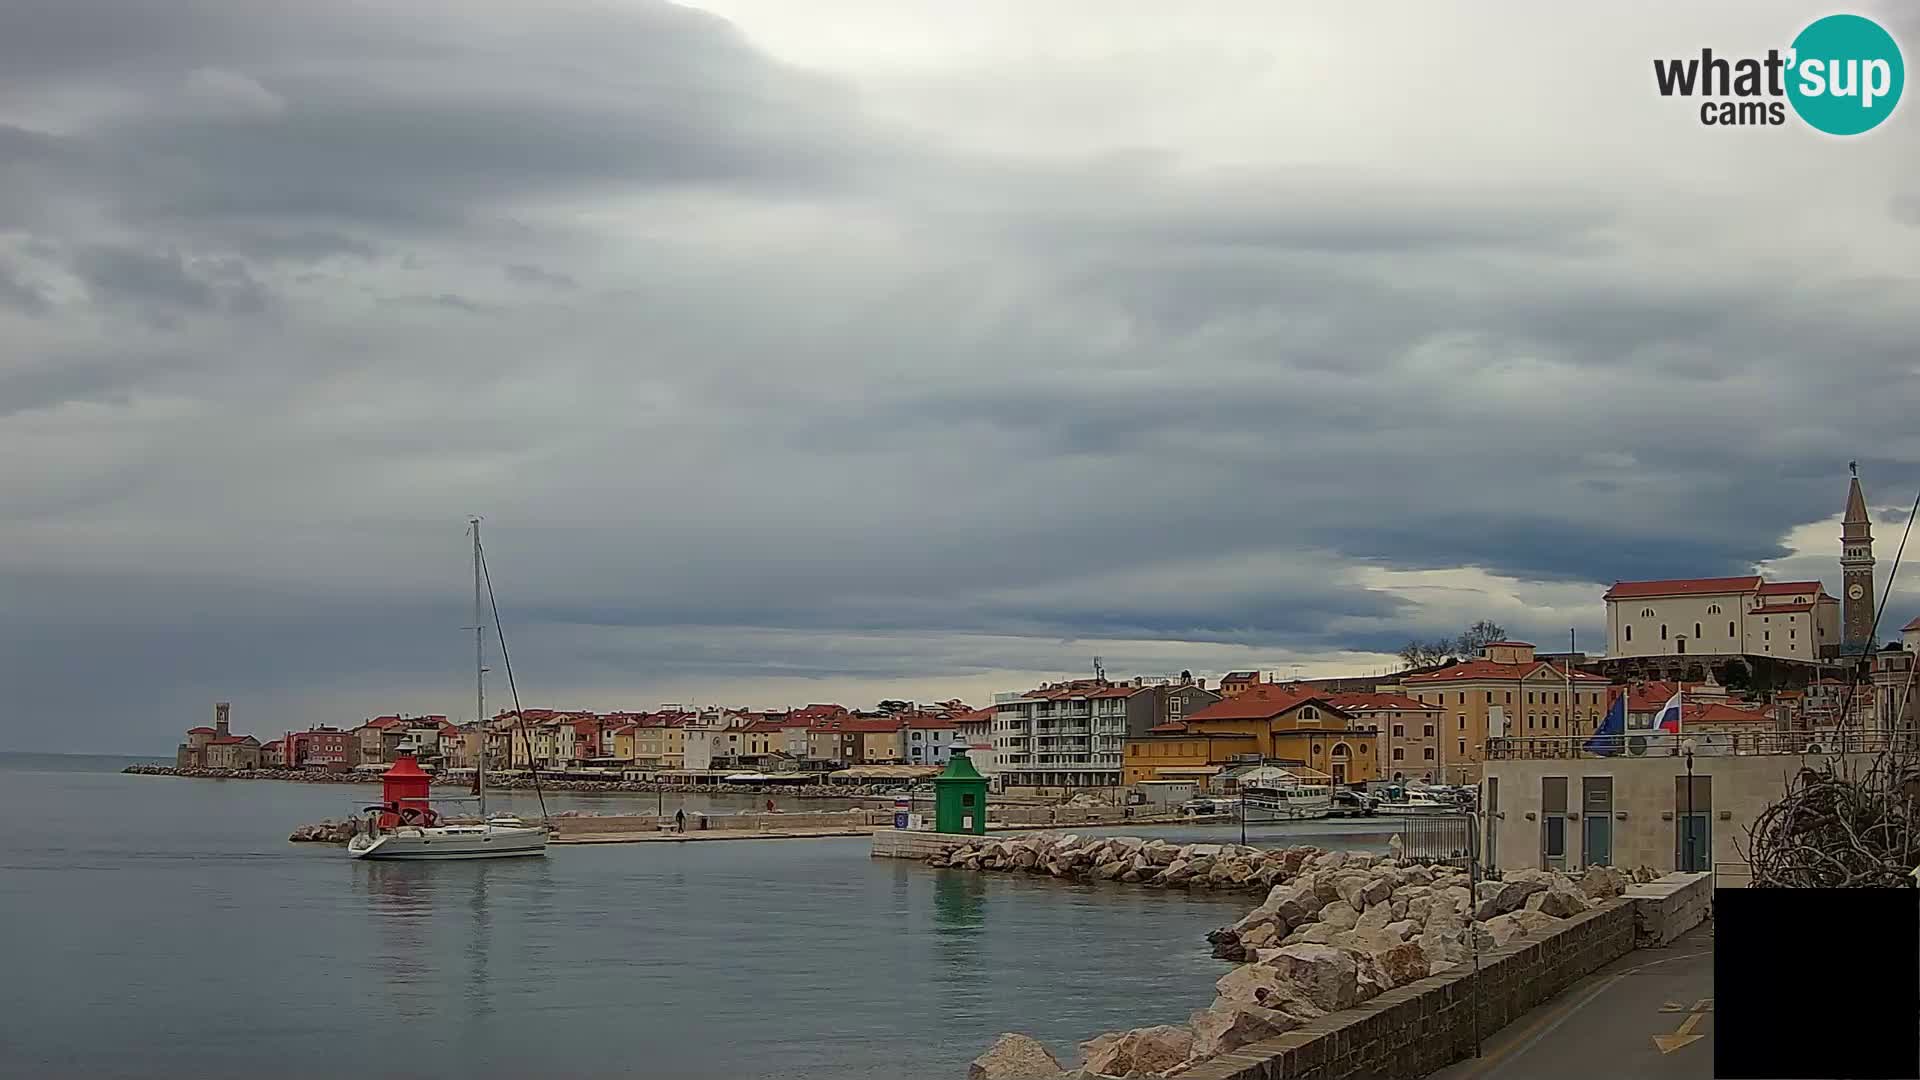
[(220, 711)]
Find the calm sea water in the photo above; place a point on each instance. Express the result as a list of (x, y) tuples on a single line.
[(158, 926)]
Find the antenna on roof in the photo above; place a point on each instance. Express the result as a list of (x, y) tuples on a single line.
[(1099, 670)]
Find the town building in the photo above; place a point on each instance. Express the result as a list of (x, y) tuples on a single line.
[(847, 740), (1272, 723), (319, 748), (1061, 735), (1506, 691), (1409, 732), (217, 747), (930, 739), (1910, 636), (1721, 617), (1891, 677), (1235, 683)]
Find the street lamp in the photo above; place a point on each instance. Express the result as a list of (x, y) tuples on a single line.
[(1687, 747)]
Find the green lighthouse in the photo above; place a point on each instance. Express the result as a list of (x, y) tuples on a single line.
[(960, 798)]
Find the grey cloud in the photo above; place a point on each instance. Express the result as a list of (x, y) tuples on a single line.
[(163, 285), (533, 275), (21, 293)]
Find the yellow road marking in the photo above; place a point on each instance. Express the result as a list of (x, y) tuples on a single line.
[(1667, 1044)]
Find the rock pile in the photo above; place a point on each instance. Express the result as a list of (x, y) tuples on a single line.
[(1335, 929), (327, 832), (1154, 863)]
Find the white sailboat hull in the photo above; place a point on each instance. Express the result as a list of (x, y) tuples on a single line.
[(490, 841)]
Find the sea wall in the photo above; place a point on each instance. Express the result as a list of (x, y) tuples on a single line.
[(1670, 906), (1412, 1030)]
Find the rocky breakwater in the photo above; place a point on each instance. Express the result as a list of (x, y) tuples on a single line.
[(1153, 863), (1332, 932), (326, 832)]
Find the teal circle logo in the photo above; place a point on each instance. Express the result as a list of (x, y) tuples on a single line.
[(1846, 75)]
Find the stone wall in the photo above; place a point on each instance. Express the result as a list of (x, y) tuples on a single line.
[(1423, 1026), (906, 844), (1670, 906)]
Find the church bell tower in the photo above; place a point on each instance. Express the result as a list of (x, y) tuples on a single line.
[(1856, 569)]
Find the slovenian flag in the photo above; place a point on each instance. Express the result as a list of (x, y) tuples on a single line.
[(1610, 734), (1668, 719)]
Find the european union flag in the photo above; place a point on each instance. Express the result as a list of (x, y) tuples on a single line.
[(1608, 739)]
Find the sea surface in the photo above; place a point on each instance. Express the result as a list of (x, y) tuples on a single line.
[(160, 926)]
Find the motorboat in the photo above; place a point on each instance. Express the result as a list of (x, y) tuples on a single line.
[(1288, 798)]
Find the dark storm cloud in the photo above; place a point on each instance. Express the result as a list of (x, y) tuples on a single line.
[(751, 382)]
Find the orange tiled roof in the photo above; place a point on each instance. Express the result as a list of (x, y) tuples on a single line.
[(1683, 587), (1473, 670), (1782, 588), (1263, 701)]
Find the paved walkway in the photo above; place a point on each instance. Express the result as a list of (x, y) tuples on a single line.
[(1647, 1014)]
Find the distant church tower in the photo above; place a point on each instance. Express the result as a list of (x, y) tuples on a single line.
[(1856, 569)]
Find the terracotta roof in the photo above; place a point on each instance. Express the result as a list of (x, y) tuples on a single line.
[(856, 725), (987, 714), (232, 740), (1117, 692), (1263, 701), (1914, 625), (1240, 676), (1474, 670), (1714, 711), (768, 727), (1778, 609), (931, 723), (201, 731), (1377, 702), (1781, 588), (1683, 587)]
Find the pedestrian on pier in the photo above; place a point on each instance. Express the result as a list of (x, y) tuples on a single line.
[(679, 821)]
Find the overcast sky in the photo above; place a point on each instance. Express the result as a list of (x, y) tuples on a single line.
[(840, 350)]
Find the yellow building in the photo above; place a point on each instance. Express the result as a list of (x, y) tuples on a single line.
[(1270, 722), (1506, 692)]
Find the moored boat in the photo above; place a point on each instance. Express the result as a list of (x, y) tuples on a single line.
[(406, 826)]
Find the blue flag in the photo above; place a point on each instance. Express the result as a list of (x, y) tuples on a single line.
[(1611, 734)]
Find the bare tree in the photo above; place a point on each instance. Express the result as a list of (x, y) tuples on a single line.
[(1477, 637)]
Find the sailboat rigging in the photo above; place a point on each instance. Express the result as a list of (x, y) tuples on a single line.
[(405, 826)]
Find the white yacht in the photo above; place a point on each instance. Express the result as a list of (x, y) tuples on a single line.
[(405, 827), (1280, 794)]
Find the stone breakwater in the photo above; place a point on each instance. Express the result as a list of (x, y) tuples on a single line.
[(1334, 929), (511, 783), (326, 832)]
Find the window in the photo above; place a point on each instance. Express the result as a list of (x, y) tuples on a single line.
[(1530, 697), (1713, 609), (1429, 731), (1489, 697), (1399, 754), (1309, 713), (1509, 697), (1463, 697), (1556, 699), (1629, 633), (1530, 719), (1663, 631), (1729, 627), (1646, 613), (1429, 753), (1463, 748), (1792, 635), (916, 736), (1766, 635), (1134, 750), (1696, 630), (1463, 723), (1399, 731)]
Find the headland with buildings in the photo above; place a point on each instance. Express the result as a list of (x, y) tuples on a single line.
[(1769, 671)]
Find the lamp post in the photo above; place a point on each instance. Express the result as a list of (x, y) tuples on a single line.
[(1686, 825)]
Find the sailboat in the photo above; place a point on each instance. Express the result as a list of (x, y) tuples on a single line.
[(406, 828)]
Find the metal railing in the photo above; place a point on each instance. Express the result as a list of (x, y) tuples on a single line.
[(1440, 838), (1705, 744)]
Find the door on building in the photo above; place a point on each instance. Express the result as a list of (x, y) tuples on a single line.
[(1553, 822), (1596, 821), (1693, 824)]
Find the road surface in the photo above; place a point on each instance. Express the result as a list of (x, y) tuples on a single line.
[(1647, 1014)]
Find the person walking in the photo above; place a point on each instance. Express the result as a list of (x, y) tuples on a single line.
[(679, 821)]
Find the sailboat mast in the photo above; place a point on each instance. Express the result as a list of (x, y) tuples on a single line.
[(479, 673)]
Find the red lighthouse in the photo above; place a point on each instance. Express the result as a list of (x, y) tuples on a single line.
[(403, 794)]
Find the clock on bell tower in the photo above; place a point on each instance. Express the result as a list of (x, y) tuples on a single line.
[(1856, 569)]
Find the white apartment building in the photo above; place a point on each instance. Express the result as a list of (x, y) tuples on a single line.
[(1790, 620), (1062, 735)]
